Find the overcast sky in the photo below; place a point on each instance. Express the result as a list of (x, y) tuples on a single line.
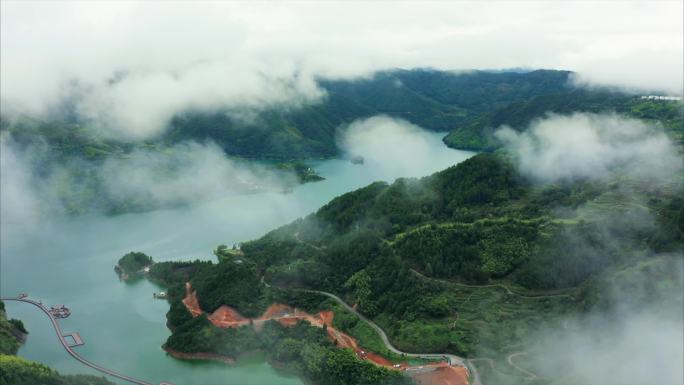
[(207, 54)]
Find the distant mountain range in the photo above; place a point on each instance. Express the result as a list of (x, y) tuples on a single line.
[(466, 106), (435, 100)]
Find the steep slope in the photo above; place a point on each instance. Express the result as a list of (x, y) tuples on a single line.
[(478, 134), (436, 100), (469, 261), (12, 333)]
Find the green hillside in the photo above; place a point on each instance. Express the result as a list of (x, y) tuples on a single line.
[(18, 371), (69, 154), (12, 333), (477, 134), (471, 260), (435, 100)]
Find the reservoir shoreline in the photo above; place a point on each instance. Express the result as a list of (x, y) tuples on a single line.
[(68, 260)]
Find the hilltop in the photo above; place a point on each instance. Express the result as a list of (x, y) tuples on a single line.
[(469, 261)]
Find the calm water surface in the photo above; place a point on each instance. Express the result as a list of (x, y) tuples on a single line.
[(70, 261)]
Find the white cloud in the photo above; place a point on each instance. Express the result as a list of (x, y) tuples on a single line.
[(634, 349), (634, 336), (186, 173), (208, 54), (591, 146), (394, 147), (22, 200)]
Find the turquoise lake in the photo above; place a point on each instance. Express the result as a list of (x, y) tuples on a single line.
[(70, 260)]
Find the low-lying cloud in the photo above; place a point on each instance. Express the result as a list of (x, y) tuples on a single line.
[(141, 104), (21, 199), (591, 146), (186, 173), (639, 349), (33, 189), (627, 325), (127, 67), (640, 340), (394, 146)]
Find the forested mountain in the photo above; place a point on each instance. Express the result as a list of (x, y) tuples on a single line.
[(470, 260), (477, 134), (69, 155), (435, 100), (76, 160), (467, 105), (475, 222)]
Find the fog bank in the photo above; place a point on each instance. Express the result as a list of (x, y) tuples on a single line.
[(592, 146), (636, 342), (22, 200), (185, 173), (35, 188), (127, 67), (390, 145)]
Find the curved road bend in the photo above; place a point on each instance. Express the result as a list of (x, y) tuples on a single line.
[(526, 374), (499, 285), (530, 375), (453, 359), (69, 350)]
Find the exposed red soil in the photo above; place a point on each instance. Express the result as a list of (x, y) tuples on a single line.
[(289, 321), (327, 317), (442, 375), (199, 356), (342, 340), (227, 317), (378, 359), (277, 310), (190, 301)]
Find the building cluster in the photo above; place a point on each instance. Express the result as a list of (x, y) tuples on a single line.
[(660, 97), (60, 311)]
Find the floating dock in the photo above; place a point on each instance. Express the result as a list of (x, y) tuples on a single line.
[(77, 340)]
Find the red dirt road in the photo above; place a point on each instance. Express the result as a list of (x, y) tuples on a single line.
[(227, 317), (441, 375), (190, 301)]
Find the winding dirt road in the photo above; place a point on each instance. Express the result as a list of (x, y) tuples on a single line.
[(499, 285), (452, 359), (527, 375), (530, 375)]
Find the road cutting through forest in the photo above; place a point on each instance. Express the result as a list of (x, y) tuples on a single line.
[(473, 374), (499, 285), (451, 372)]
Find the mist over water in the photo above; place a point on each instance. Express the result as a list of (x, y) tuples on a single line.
[(69, 260), (391, 146)]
